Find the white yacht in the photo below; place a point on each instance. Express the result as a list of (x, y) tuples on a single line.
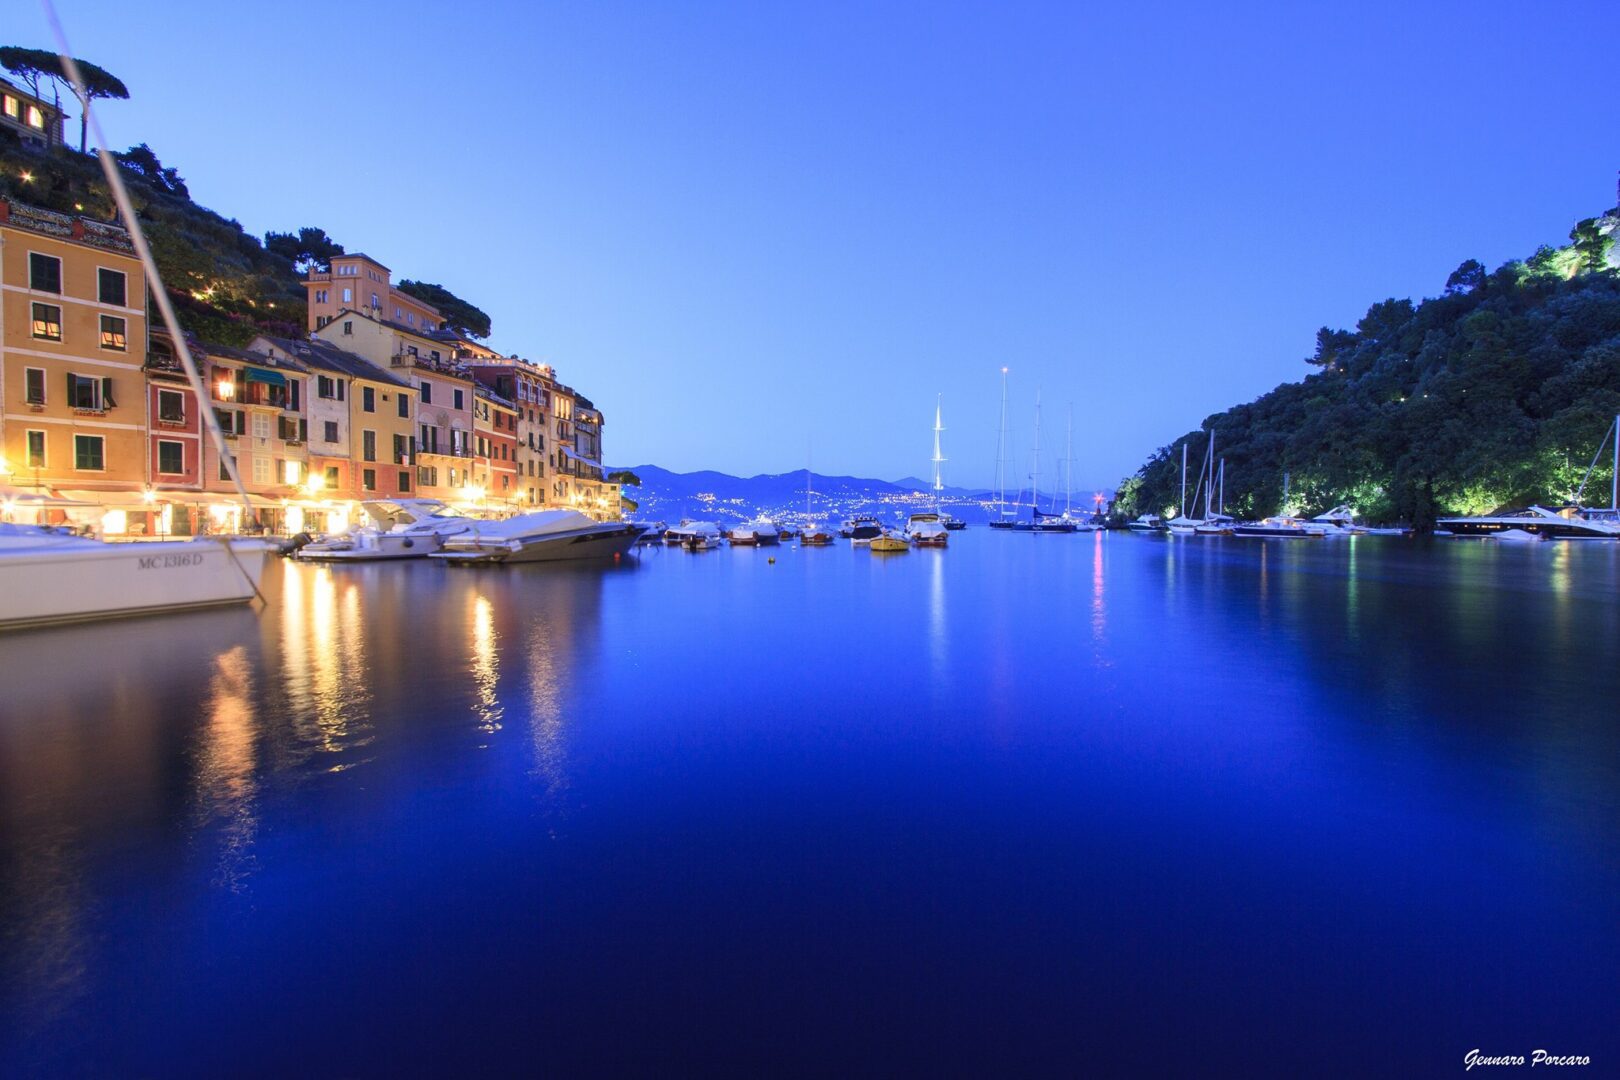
[(861, 529), (677, 535), (50, 575), (926, 530), (397, 529), (543, 536), (758, 531), (1568, 523), (1148, 523)]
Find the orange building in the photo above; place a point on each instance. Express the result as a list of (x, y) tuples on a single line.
[(73, 390), (361, 283), (495, 422)]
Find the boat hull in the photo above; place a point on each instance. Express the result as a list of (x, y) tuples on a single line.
[(42, 587), (561, 547)]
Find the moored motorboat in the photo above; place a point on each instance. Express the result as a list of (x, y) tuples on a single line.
[(652, 532), (753, 533), (815, 536), (677, 535), (1216, 525), (50, 575), (951, 521), (861, 528), (890, 541), (1148, 523), (926, 530), (398, 529), (543, 536), (1566, 523), (1284, 528)]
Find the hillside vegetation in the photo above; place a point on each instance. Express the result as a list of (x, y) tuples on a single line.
[(1496, 392), (226, 286)]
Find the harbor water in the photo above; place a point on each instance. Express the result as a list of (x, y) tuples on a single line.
[(1057, 804)]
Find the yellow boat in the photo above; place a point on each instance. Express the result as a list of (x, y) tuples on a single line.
[(890, 540)]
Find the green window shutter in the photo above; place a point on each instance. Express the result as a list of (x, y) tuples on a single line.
[(107, 401)]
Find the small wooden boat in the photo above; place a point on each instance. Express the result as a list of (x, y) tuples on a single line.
[(890, 540)]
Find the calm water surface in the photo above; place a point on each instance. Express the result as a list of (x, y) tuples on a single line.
[(1034, 803)]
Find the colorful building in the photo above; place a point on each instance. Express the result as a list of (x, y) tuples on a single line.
[(35, 121), (72, 356), (527, 386), (444, 397), (362, 422), (361, 283), (495, 424)]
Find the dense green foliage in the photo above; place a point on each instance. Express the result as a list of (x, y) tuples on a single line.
[(308, 249), (459, 315), (1496, 392), (227, 287)]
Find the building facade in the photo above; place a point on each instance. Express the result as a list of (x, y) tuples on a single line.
[(361, 283), (72, 355), (35, 121)]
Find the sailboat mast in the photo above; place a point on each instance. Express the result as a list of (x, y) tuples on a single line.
[(1068, 463), (1181, 507), (1001, 452), (1209, 489), (1035, 478), (1222, 508), (1614, 481), (939, 458)]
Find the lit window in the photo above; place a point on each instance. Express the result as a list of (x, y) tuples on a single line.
[(292, 473), (112, 333), (34, 118), (13, 107), (48, 322)]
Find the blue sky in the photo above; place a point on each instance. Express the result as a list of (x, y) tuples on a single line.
[(745, 229)]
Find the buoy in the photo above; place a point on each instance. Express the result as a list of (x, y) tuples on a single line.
[(771, 560)]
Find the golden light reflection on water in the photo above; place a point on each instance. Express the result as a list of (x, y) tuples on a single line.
[(324, 666), (225, 780), (486, 673)]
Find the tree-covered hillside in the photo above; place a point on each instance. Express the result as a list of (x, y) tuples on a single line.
[(226, 286), (1498, 391)]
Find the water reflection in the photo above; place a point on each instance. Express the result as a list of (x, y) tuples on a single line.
[(225, 782), (326, 676), (486, 674)]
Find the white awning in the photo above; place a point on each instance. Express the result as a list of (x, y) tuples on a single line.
[(582, 460)]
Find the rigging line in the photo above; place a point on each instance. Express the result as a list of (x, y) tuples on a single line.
[(126, 210)]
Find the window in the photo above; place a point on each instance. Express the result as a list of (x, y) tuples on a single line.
[(261, 425), (348, 298), (331, 477), (294, 393), (34, 117), (261, 468), (48, 322), (368, 444), (368, 479), (404, 482), (459, 399), (112, 287), (325, 387), (89, 393), (89, 453), (12, 107), (287, 429), (34, 385), (36, 449), (427, 476), (402, 450), (171, 407), (368, 399), (427, 393), (225, 464), (171, 457), (321, 296), (404, 406), (44, 272), (292, 473), (376, 301), (322, 321), (112, 333), (331, 433)]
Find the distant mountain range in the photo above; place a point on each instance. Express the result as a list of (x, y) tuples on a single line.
[(720, 497)]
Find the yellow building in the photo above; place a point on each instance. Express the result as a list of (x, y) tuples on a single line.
[(72, 347), (361, 283)]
